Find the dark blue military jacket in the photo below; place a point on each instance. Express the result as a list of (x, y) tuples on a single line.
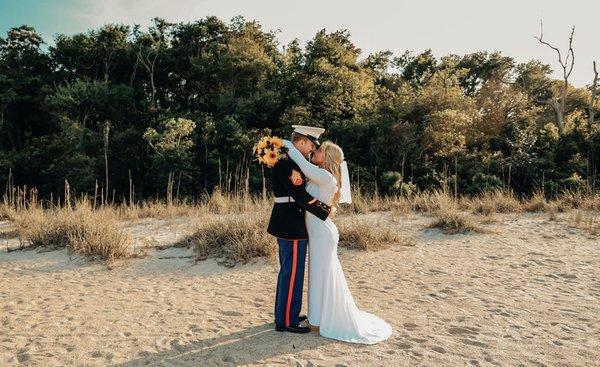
[(287, 219)]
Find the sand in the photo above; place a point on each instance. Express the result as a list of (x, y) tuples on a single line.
[(525, 293)]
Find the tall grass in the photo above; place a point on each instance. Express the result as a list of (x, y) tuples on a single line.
[(220, 203), (589, 221), (233, 238), (496, 201), (452, 221), (232, 225), (363, 234), (96, 234)]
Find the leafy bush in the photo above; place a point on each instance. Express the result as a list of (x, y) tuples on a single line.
[(481, 183)]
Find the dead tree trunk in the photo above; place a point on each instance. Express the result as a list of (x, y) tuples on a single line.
[(106, 132), (567, 63), (148, 61)]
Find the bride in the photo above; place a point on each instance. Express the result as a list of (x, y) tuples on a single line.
[(330, 303)]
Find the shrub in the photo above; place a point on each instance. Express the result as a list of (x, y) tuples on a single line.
[(481, 182), (390, 182), (575, 183), (393, 184)]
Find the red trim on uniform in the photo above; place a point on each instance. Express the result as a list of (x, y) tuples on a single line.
[(291, 287)]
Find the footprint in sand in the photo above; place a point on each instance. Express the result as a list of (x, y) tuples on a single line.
[(102, 354), (404, 346), (475, 343), (23, 356), (410, 325), (463, 330), (231, 313), (438, 349)]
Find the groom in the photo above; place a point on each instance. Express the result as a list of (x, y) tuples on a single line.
[(288, 225)]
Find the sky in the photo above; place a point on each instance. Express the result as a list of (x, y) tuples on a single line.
[(446, 27)]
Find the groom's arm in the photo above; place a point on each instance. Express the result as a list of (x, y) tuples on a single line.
[(297, 190)]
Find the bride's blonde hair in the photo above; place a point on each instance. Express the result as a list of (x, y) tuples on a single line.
[(334, 156)]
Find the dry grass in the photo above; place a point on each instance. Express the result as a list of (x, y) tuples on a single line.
[(216, 203), (451, 221), (593, 226), (363, 234), (233, 239), (589, 221), (7, 212), (431, 202), (536, 204), (94, 234), (232, 226), (155, 209), (219, 203), (577, 200), (578, 218), (363, 203), (497, 201), (552, 211)]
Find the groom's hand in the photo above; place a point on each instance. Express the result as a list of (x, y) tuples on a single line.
[(319, 209)]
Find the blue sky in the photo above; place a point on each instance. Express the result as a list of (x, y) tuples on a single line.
[(47, 16), (458, 26)]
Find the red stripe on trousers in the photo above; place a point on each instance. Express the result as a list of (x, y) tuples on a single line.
[(291, 287)]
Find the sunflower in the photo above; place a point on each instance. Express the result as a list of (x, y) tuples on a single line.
[(262, 143), (277, 142), (269, 150), (270, 157)]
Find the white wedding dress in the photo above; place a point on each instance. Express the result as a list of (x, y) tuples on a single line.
[(330, 303)]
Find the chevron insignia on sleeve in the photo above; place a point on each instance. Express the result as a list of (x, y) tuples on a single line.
[(296, 178)]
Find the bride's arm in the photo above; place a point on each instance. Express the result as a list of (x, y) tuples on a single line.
[(314, 173)]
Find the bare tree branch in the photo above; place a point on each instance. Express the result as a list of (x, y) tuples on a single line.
[(571, 52), (541, 40), (558, 103)]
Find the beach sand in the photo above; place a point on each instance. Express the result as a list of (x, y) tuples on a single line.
[(526, 292)]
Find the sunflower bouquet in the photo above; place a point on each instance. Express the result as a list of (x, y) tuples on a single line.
[(269, 150)]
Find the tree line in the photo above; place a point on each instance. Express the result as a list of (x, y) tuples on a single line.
[(174, 110)]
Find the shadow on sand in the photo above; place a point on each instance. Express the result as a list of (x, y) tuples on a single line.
[(251, 345)]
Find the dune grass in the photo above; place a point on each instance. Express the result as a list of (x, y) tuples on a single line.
[(453, 221), (366, 235), (488, 203), (96, 235), (232, 226), (232, 239)]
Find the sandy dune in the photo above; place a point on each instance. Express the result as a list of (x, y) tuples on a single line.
[(526, 293)]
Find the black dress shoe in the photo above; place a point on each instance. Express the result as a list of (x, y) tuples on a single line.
[(302, 318), (293, 329)]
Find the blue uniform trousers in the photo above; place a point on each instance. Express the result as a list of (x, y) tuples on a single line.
[(288, 300)]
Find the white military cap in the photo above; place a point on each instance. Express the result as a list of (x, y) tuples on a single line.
[(310, 132)]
